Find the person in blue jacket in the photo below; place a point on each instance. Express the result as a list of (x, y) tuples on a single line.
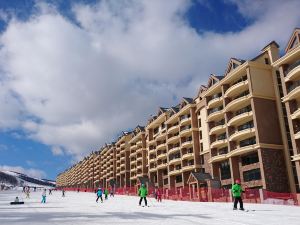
[(99, 194)]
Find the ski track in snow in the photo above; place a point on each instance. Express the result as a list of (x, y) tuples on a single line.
[(81, 208)]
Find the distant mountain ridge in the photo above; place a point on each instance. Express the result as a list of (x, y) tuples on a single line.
[(11, 178)]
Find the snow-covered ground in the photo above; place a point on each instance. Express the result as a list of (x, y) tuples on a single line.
[(81, 208)]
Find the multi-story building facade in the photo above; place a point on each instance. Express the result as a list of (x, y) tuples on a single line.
[(157, 148), (123, 160), (287, 71), (183, 145), (138, 156), (242, 125)]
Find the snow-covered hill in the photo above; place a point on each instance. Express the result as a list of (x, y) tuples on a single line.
[(15, 179)]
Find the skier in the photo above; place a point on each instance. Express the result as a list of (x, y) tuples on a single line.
[(143, 192), (237, 194), (99, 194), (155, 193), (50, 192), (63, 193), (158, 195), (44, 196), (27, 192), (106, 194), (112, 193)]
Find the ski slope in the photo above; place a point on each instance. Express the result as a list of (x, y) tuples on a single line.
[(81, 208)]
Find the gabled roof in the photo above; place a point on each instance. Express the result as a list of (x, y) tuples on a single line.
[(174, 109), (199, 176), (270, 44), (294, 40), (213, 79), (232, 64), (138, 129), (162, 110), (202, 89), (185, 101)]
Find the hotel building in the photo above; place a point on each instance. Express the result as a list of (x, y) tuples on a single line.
[(242, 125)]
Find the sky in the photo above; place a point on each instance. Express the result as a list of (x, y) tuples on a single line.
[(75, 74)]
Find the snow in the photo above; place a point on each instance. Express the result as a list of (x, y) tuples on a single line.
[(81, 208)]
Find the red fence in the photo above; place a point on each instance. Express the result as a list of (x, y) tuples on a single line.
[(209, 195)]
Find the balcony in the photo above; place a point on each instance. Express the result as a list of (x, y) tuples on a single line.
[(188, 168), (161, 136), (162, 166), (151, 142), (175, 172), (188, 156), (221, 141), (215, 102), (293, 72), (162, 156), (293, 91), (161, 146), (296, 157), (239, 118), (238, 102), (139, 143), (217, 129), (173, 139), (215, 114), (185, 119), (174, 149), (296, 114), (297, 135), (186, 130), (186, 144), (151, 170), (175, 161), (173, 129), (236, 88), (242, 134), (243, 150)]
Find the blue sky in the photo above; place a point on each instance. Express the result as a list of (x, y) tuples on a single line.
[(69, 69)]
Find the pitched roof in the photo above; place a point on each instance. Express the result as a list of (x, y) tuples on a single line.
[(294, 39), (201, 176), (232, 64)]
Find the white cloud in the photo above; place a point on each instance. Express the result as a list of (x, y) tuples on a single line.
[(74, 87), (35, 173), (57, 150)]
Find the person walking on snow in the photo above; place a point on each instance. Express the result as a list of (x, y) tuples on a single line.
[(27, 192), (44, 196), (158, 195), (237, 194), (143, 192), (106, 193), (63, 193), (50, 192), (112, 192), (99, 194)]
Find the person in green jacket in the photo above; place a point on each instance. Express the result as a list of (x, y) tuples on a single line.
[(106, 193), (237, 194), (143, 192)]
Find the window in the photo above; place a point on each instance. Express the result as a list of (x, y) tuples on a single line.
[(166, 181), (200, 134), (267, 61), (225, 170), (178, 179), (246, 142), (250, 159), (201, 145), (252, 175)]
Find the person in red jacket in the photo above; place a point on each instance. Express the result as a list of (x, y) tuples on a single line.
[(158, 194)]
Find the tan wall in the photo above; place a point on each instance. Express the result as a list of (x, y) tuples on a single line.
[(262, 82)]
